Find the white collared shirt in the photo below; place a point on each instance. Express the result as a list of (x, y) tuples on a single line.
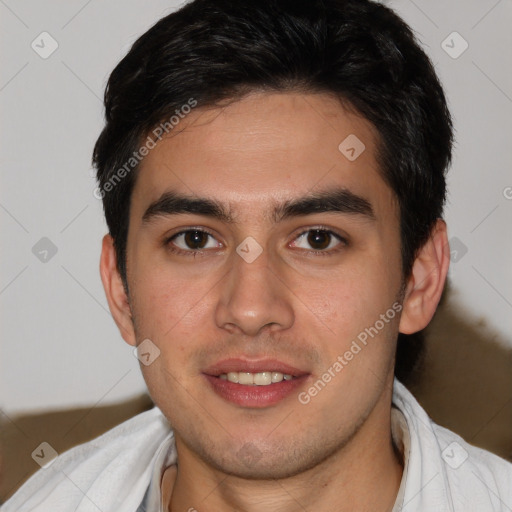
[(121, 470)]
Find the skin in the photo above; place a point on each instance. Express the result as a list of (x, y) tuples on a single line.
[(334, 453)]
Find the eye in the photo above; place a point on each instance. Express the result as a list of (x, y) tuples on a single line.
[(193, 240), (318, 240)]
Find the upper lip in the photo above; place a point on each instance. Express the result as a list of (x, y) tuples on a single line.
[(253, 366)]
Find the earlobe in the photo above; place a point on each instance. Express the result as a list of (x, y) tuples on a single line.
[(426, 282), (115, 292)]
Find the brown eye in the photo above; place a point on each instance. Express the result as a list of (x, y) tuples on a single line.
[(196, 239), (193, 240), (321, 240)]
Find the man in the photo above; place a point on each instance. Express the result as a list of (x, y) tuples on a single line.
[(272, 174)]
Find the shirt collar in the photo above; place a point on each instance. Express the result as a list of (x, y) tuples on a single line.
[(166, 456)]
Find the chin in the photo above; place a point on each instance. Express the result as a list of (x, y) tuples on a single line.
[(251, 463)]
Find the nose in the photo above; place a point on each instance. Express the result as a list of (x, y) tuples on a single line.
[(253, 298)]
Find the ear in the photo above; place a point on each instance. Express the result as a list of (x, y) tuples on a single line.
[(426, 282), (115, 292)]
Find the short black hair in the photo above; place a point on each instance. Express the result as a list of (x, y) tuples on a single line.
[(210, 51)]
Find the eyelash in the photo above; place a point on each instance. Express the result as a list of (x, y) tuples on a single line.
[(343, 241), (193, 253), (199, 252)]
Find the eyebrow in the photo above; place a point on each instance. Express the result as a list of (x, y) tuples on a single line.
[(338, 200)]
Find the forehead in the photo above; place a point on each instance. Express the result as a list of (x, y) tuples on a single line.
[(264, 149)]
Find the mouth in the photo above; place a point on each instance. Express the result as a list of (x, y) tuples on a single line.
[(265, 378), (255, 384)]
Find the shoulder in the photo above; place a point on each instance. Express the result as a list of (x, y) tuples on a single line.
[(447, 473), (473, 475), (109, 472)]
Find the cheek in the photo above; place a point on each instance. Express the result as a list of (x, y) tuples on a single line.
[(170, 311), (349, 315), (169, 307), (352, 301)]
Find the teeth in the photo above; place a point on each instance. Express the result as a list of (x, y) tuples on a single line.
[(233, 377), (245, 378), (277, 376), (255, 379)]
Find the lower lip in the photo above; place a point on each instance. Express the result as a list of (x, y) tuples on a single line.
[(254, 396)]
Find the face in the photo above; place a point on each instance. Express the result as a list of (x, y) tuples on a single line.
[(256, 244)]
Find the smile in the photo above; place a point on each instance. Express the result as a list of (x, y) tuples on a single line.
[(255, 379)]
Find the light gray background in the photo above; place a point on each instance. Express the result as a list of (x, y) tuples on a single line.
[(59, 344)]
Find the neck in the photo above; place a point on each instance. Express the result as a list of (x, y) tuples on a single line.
[(363, 475)]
